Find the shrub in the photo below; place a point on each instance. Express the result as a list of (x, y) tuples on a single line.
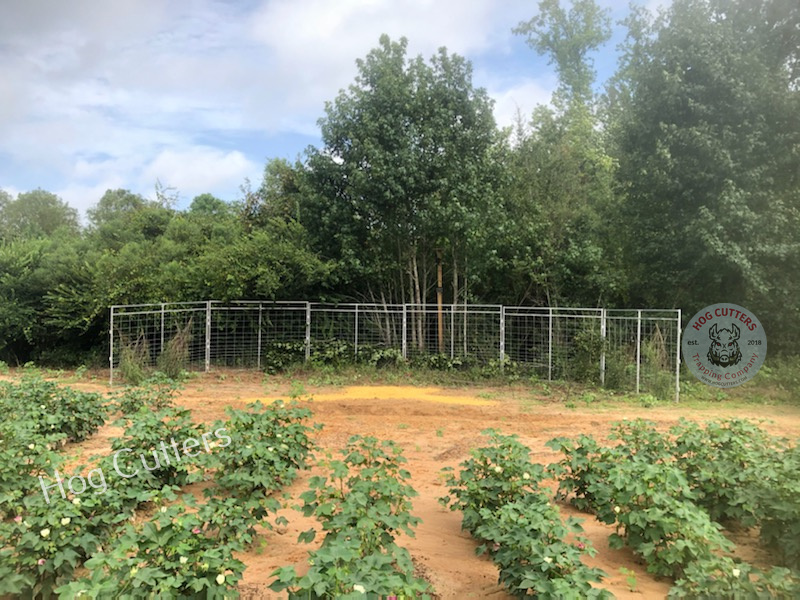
[(527, 541), (495, 475), (496, 490), (52, 409), (167, 557), (363, 506), (154, 393), (267, 446), (146, 448)]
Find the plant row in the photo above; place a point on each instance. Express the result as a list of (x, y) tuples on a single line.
[(668, 494), (535, 551), (363, 505), (97, 515)]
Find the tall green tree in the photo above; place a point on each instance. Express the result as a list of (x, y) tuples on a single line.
[(38, 213), (708, 143), (568, 38), (562, 191), (406, 167)]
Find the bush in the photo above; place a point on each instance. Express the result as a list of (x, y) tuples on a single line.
[(52, 409), (267, 446), (363, 507), (154, 393), (170, 556), (497, 492)]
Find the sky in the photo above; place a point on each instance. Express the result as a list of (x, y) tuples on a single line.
[(198, 95)]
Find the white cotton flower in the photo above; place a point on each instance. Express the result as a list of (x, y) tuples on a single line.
[(548, 560), (220, 579), (76, 501), (498, 469), (31, 446), (163, 509), (360, 589), (526, 476), (617, 509), (183, 560), (65, 521), (44, 532), (736, 572)]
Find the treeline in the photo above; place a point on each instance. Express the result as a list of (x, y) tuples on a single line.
[(677, 184)]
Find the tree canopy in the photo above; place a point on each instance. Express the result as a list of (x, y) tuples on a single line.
[(673, 183)]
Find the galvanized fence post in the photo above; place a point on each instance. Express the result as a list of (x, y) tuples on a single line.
[(603, 347), (452, 330), (162, 328), (308, 331), (678, 357), (405, 334), (208, 336), (258, 349), (502, 336), (355, 342), (111, 348), (550, 344), (638, 348)]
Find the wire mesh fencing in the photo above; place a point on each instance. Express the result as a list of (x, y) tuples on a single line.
[(637, 350)]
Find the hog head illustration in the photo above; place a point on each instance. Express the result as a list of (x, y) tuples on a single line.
[(724, 350)]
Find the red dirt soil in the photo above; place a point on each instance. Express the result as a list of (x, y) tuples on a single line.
[(437, 427)]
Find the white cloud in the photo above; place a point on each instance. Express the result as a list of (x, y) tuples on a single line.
[(520, 100), (193, 171), (97, 95), (84, 196)]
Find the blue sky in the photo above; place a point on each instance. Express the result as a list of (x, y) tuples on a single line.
[(200, 95)]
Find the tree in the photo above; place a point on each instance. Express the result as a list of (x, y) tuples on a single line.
[(36, 214), (708, 149), (406, 167), (209, 205), (562, 190), (568, 38)]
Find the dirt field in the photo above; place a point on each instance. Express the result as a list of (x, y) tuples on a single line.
[(436, 428)]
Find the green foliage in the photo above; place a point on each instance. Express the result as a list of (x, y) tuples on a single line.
[(494, 476), (704, 123), (567, 38), (168, 556), (779, 505), (497, 492), (51, 409), (661, 490), (43, 546), (363, 506), (277, 357), (154, 393), (153, 449), (399, 174), (725, 461), (722, 577), (265, 446), (528, 542)]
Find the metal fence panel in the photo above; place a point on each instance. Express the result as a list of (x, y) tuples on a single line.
[(637, 350)]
